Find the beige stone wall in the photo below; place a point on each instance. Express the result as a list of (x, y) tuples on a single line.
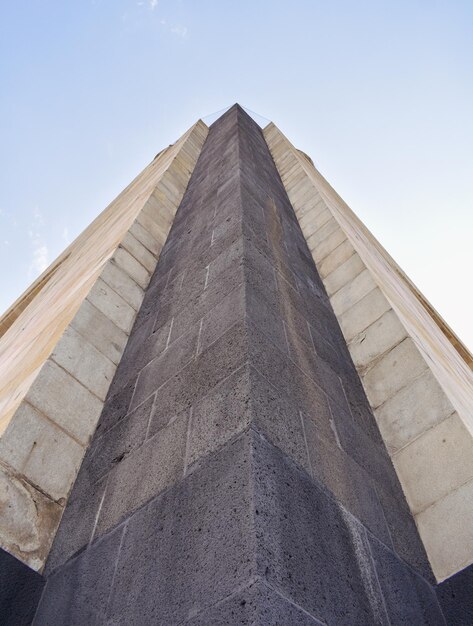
[(60, 344), (416, 373)]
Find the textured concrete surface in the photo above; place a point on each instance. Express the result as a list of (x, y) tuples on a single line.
[(237, 475)]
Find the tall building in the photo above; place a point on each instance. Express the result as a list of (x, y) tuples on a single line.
[(224, 403)]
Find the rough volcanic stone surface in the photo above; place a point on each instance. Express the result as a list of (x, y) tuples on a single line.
[(20, 591), (237, 475), (456, 598)]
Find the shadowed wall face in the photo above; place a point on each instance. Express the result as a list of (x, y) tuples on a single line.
[(237, 474)]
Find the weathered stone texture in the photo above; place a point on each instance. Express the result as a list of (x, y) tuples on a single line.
[(237, 475)]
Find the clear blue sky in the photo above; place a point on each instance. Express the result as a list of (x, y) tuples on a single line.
[(380, 94)]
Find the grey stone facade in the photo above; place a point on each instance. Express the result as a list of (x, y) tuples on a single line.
[(237, 475)]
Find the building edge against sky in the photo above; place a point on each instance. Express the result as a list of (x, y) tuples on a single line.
[(76, 318)]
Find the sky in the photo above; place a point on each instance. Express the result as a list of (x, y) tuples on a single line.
[(378, 93)]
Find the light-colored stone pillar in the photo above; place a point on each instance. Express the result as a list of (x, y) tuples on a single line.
[(415, 371), (61, 342)]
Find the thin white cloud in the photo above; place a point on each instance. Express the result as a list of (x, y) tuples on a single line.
[(40, 252), (65, 235), (153, 4), (40, 260), (180, 31)]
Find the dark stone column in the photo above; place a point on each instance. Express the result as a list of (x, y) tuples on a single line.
[(237, 475), (456, 598), (20, 591)]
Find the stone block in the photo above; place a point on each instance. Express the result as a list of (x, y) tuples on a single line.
[(112, 305), (405, 537), (77, 594), (100, 331), (455, 597), (412, 410), (362, 314), (299, 526), (145, 344), (359, 406), (220, 415), (258, 605), (225, 260), (222, 317), (77, 525), (146, 238), (322, 233), (324, 248), (172, 567), (349, 483), (166, 365), (394, 370), (84, 362), (20, 591), (116, 406), (301, 390), (329, 352), (121, 282), (131, 266), (265, 318), (41, 452), (278, 419), (352, 292), (121, 440), (139, 252), (408, 598), (28, 520), (370, 455), (343, 274), (436, 463), (383, 335), (319, 370), (155, 225), (312, 221), (144, 473), (213, 365), (65, 401), (337, 257)]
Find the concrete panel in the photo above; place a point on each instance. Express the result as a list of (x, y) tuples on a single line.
[(83, 407), (450, 552), (374, 341), (121, 282), (337, 257), (414, 409), (28, 519), (100, 331), (139, 252), (353, 292), (129, 264), (395, 370), (112, 305), (362, 314), (436, 463), (84, 362), (343, 274), (41, 452)]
